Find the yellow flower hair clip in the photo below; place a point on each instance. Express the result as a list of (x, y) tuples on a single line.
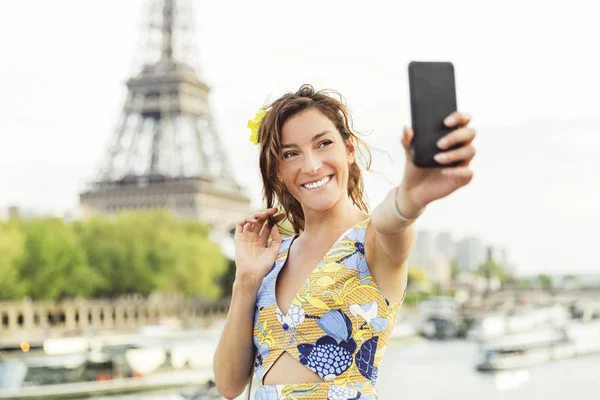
[(254, 124)]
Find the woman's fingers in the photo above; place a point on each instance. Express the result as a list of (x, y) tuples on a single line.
[(462, 171), (266, 229), (248, 227), (275, 238), (254, 222), (457, 119), (242, 226), (260, 218), (268, 211), (239, 228), (462, 135), (465, 174), (465, 153)]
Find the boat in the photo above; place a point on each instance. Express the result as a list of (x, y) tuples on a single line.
[(439, 318), (40, 369), (497, 324), (12, 374), (158, 381), (535, 347), (145, 361), (193, 355)]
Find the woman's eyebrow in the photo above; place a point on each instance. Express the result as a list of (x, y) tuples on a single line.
[(318, 135)]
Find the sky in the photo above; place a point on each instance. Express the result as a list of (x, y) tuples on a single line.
[(526, 70)]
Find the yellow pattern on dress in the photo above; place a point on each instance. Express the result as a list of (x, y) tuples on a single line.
[(338, 324)]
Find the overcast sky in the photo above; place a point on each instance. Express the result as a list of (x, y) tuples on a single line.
[(526, 70)]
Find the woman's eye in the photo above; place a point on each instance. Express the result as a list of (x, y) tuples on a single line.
[(325, 142), (288, 154)]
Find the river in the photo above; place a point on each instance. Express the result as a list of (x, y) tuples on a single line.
[(430, 370)]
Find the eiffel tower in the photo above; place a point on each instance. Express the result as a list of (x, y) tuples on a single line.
[(165, 152)]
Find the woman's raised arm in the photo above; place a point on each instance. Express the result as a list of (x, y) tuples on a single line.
[(254, 256)]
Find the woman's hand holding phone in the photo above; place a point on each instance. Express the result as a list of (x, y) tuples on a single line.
[(421, 186)]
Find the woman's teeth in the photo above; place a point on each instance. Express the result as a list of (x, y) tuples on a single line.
[(317, 184)]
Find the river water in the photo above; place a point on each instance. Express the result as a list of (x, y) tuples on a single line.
[(432, 370), (445, 371)]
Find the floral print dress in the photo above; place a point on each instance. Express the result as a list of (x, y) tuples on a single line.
[(337, 326)]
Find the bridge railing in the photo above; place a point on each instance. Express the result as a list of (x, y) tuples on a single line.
[(32, 319)]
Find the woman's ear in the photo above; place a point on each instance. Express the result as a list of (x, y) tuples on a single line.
[(350, 151)]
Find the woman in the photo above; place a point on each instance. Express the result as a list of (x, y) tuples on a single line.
[(312, 313)]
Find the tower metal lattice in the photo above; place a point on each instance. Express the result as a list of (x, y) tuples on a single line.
[(165, 151)]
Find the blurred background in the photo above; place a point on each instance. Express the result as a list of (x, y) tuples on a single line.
[(126, 162)]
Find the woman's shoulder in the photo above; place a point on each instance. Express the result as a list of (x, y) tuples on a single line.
[(286, 241), (363, 226)]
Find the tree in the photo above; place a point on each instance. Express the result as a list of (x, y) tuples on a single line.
[(417, 275), (127, 251), (419, 285), (545, 281), (524, 284), (140, 252), (134, 252), (489, 269), (54, 263), (454, 269), (196, 264), (12, 246)]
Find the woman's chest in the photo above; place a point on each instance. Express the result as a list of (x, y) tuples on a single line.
[(301, 266)]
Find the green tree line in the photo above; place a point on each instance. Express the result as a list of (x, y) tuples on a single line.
[(134, 252)]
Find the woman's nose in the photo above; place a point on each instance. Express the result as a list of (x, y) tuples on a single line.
[(311, 164)]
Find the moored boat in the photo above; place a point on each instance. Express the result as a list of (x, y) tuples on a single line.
[(527, 349)]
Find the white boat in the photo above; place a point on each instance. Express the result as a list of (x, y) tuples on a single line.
[(66, 345), (145, 361), (12, 374), (487, 326), (37, 368), (438, 317), (526, 349), (193, 355), (159, 381), (493, 325), (64, 361)]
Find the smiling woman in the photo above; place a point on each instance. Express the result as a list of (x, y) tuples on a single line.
[(282, 133), (311, 314)]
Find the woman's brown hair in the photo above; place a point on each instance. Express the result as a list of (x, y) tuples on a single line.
[(269, 136)]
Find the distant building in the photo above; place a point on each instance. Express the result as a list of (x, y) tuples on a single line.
[(435, 253), (422, 254), (427, 255), (440, 271), (445, 245), (470, 254), (497, 255)]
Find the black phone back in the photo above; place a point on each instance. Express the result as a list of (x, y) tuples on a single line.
[(432, 99)]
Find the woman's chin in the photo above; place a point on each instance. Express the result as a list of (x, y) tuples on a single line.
[(319, 205)]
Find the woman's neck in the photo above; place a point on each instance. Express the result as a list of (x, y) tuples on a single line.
[(321, 225)]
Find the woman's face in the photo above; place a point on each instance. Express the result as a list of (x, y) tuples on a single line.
[(314, 161)]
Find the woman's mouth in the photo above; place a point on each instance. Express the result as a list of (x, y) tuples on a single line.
[(318, 184)]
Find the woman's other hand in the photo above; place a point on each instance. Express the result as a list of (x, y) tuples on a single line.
[(256, 246)]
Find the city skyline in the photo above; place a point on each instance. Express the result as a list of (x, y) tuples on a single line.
[(534, 108)]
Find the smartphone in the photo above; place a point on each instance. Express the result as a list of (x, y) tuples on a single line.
[(432, 99)]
